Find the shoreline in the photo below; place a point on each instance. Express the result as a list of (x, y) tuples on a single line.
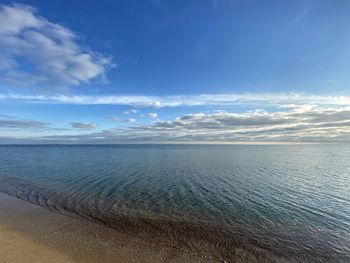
[(34, 230), (185, 241), (30, 233)]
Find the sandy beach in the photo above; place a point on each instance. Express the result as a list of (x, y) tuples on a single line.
[(30, 233)]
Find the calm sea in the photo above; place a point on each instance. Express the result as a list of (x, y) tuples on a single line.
[(237, 203)]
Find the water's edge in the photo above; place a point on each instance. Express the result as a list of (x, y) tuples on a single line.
[(200, 238)]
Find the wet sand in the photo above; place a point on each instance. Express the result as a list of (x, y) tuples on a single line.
[(30, 233)]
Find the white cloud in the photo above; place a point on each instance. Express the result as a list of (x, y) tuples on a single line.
[(132, 111), (51, 51), (83, 126), (152, 115)]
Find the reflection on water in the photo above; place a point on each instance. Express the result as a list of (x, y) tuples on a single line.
[(269, 203)]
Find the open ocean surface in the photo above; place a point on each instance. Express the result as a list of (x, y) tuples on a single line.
[(244, 203)]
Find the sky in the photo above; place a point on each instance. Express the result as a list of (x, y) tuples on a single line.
[(162, 71)]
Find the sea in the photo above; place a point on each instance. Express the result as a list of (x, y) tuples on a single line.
[(233, 203)]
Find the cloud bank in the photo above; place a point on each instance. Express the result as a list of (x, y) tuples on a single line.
[(301, 123), (296, 124), (50, 51)]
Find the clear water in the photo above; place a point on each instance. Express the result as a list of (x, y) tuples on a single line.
[(267, 203)]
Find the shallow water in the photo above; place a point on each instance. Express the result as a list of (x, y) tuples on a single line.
[(268, 203)]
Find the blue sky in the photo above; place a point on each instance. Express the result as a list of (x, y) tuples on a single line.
[(158, 71)]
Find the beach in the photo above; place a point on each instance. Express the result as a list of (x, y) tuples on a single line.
[(30, 233)]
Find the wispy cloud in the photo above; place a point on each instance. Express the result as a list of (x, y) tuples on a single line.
[(22, 124), (131, 120), (50, 51), (258, 99), (83, 125), (14, 123), (301, 15)]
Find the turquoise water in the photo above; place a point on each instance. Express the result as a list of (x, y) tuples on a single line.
[(289, 202)]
